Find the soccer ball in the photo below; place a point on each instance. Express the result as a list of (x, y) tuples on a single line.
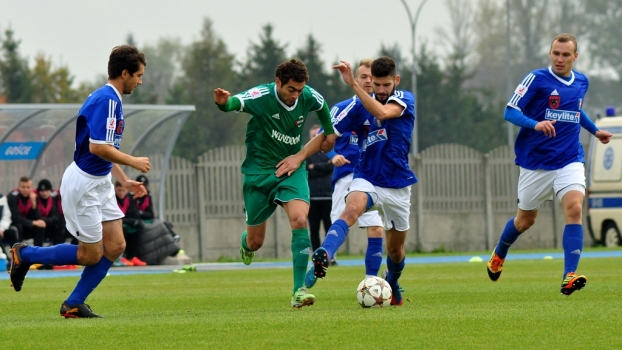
[(374, 292)]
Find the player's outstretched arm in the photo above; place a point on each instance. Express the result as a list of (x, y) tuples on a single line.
[(603, 136), (377, 109), (111, 154), (291, 163), (224, 101), (129, 184), (339, 160)]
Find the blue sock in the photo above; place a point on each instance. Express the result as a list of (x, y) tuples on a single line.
[(508, 237), (573, 245), (335, 237), (90, 279), (395, 272), (373, 256), (60, 254)]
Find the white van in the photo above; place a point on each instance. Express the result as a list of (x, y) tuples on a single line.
[(604, 185)]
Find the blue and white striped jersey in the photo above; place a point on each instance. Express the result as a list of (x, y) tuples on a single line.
[(348, 144), (100, 120), (384, 157), (543, 95)]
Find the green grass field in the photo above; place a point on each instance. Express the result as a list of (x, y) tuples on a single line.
[(452, 306)]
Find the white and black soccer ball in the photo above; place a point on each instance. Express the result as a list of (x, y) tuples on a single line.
[(374, 292)]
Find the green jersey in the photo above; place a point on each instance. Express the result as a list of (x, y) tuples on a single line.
[(274, 131)]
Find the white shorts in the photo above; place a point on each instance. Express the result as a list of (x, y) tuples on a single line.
[(393, 204), (87, 202), (368, 219), (537, 186)]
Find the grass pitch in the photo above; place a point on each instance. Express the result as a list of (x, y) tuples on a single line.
[(452, 306)]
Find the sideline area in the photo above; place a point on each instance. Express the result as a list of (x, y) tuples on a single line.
[(203, 267)]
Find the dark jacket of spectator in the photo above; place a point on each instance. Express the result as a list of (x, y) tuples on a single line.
[(320, 170), (48, 210)]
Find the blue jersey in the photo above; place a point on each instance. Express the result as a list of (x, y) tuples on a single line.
[(543, 95), (384, 157), (349, 143), (100, 120)]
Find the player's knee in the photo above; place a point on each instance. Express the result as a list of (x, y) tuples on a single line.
[(90, 256), (573, 212), (524, 224), (298, 221), (375, 232), (396, 253), (115, 249), (254, 242)]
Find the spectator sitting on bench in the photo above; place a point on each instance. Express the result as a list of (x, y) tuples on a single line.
[(48, 209), (133, 226), (145, 203), (24, 214), (145, 207)]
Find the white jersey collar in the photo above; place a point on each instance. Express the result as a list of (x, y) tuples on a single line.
[(283, 103), (565, 82), (115, 90)]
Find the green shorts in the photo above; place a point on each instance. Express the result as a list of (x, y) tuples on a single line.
[(262, 193)]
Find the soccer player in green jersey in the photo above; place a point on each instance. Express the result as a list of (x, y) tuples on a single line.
[(278, 112)]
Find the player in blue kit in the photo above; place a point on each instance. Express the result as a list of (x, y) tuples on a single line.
[(382, 178), (547, 105), (345, 155), (88, 198)]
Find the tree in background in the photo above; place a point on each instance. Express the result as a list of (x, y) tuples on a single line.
[(319, 80), (52, 85), (262, 58), (14, 72), (163, 67), (604, 18), (206, 65)]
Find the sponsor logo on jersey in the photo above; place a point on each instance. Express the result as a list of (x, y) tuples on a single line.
[(376, 136), (276, 116), (562, 116), (286, 139), (354, 139), (521, 90), (341, 115), (554, 99), (254, 93), (111, 123), (300, 121)]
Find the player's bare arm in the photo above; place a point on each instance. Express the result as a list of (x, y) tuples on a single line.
[(377, 109), (339, 160), (291, 163), (111, 154), (221, 96), (603, 136), (129, 184), (546, 126)]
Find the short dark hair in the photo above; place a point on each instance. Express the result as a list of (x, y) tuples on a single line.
[(117, 184), (564, 38), (125, 57), (292, 69), (383, 67), (24, 179)]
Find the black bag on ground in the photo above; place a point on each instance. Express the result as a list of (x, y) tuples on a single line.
[(156, 243)]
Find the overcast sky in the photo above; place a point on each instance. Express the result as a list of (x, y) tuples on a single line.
[(81, 33)]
